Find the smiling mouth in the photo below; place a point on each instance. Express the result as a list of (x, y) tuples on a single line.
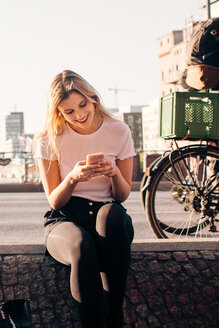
[(83, 120)]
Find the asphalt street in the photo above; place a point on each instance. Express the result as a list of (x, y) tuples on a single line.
[(21, 217)]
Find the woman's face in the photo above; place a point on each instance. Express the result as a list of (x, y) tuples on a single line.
[(79, 113)]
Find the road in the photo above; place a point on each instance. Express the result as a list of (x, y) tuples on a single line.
[(21, 217)]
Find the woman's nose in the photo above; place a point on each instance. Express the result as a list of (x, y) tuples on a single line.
[(79, 115)]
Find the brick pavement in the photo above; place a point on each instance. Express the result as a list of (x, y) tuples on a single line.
[(164, 289)]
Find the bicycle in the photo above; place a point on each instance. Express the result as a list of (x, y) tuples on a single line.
[(186, 177)]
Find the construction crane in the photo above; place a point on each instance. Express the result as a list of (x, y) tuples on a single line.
[(116, 90)]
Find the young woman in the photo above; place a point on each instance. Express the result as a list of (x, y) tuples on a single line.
[(87, 227)]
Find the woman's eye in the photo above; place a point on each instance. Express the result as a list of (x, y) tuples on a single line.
[(83, 104), (70, 112)]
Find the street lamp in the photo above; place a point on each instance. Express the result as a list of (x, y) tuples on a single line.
[(208, 9)]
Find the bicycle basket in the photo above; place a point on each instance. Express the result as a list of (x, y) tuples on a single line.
[(195, 114)]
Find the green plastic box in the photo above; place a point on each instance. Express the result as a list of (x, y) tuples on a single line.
[(191, 114)]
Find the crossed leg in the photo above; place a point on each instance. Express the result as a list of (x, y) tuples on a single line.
[(73, 246)]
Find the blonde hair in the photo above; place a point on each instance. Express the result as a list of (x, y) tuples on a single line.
[(61, 87)]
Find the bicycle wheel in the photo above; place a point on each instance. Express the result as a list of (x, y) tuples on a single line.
[(183, 197)]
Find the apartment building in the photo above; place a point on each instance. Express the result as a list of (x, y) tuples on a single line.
[(14, 124), (172, 52), (16, 141), (134, 121), (172, 61), (150, 122), (214, 9)]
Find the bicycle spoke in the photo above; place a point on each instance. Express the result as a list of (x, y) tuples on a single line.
[(170, 177), (186, 225), (199, 230), (204, 175), (213, 185)]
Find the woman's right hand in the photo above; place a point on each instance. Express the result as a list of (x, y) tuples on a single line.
[(82, 172), (59, 192)]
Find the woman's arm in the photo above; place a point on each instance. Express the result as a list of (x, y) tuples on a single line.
[(122, 179), (59, 192)]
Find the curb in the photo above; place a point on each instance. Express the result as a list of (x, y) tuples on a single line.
[(138, 245), (32, 187), (21, 187)]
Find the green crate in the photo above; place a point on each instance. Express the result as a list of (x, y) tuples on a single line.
[(196, 113)]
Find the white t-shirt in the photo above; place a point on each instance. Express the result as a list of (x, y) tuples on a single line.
[(113, 138)]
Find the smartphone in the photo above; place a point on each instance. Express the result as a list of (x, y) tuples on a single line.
[(94, 158)]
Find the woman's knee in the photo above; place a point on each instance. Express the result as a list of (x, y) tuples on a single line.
[(67, 243), (112, 220), (110, 213), (82, 247)]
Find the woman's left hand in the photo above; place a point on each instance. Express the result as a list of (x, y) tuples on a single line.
[(111, 169), (107, 168)]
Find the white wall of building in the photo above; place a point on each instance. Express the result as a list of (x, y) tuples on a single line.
[(215, 9), (130, 109), (150, 126), (172, 61)]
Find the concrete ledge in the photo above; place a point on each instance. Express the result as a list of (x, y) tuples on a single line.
[(21, 187), (37, 187), (139, 245), (171, 283), (18, 248), (164, 245)]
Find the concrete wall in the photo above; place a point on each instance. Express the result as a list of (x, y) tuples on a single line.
[(21, 187), (170, 284)]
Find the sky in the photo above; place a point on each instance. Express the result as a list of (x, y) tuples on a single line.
[(109, 42)]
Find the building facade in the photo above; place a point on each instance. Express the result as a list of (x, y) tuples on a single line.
[(172, 52), (172, 61), (16, 141), (150, 122), (214, 9), (134, 121), (14, 125)]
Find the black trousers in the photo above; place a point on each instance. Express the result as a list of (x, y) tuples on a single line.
[(107, 252)]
